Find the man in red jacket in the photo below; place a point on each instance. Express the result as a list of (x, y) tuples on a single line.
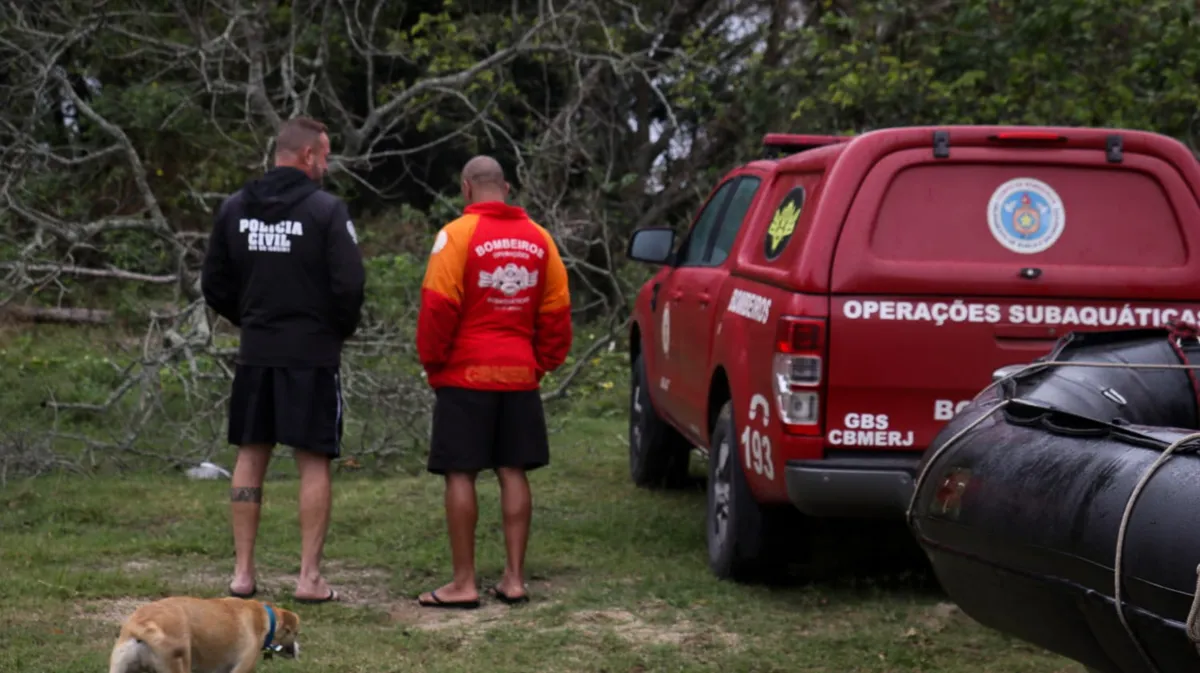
[(495, 317)]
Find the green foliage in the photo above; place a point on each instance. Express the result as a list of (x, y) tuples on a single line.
[(561, 110), (66, 373), (386, 396), (1123, 63), (600, 387), (149, 106), (393, 289)]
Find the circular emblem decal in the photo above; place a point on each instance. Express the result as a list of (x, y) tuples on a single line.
[(439, 242), (783, 224), (665, 330), (1026, 216)]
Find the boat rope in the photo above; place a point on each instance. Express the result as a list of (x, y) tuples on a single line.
[(1193, 628), (923, 474), (1177, 332), (1118, 560)]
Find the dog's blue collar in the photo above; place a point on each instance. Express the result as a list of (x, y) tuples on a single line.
[(270, 626)]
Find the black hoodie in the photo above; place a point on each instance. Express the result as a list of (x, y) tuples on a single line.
[(283, 264)]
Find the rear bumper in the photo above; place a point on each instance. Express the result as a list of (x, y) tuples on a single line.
[(862, 484)]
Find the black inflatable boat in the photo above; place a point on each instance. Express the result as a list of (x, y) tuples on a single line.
[(1021, 499)]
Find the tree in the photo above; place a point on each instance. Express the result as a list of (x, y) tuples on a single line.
[(127, 121)]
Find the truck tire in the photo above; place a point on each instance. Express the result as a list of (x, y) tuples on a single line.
[(658, 454), (738, 528)]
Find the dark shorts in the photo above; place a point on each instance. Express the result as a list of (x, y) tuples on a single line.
[(477, 430), (300, 407)]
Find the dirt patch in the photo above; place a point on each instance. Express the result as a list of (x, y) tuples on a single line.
[(637, 631), (368, 587), (927, 623), (470, 622), (623, 623), (937, 617), (461, 622), (113, 610), (356, 586)]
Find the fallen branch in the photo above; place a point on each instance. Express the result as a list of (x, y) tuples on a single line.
[(119, 274), (596, 346), (70, 316)]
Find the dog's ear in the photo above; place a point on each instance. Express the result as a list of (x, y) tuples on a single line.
[(286, 620), (290, 621)]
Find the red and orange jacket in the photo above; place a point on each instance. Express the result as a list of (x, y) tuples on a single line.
[(495, 310)]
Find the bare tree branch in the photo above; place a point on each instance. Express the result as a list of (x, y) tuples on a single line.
[(126, 129)]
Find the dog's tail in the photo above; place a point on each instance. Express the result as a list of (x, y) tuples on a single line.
[(132, 655)]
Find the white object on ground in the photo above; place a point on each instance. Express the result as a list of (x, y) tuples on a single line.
[(207, 470)]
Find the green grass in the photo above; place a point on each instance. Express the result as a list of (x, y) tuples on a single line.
[(169, 415), (618, 574), (618, 577)]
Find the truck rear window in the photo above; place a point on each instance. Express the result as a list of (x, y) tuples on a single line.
[(992, 212)]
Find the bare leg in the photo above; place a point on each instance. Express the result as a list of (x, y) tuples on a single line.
[(315, 503), (245, 505), (462, 512), (246, 662), (516, 502)]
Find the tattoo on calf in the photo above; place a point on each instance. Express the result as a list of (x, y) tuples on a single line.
[(245, 494)]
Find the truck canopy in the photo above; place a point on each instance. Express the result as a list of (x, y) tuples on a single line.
[(1050, 212)]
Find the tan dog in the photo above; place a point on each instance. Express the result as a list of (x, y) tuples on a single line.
[(203, 635)]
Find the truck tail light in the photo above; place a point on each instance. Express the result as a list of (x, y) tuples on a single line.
[(1028, 137), (797, 373)]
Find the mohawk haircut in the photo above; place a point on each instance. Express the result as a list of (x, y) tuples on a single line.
[(297, 134)]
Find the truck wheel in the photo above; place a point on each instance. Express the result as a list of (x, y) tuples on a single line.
[(658, 454), (738, 528)]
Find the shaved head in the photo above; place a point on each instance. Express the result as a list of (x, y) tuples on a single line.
[(303, 143), (483, 180), (483, 170)]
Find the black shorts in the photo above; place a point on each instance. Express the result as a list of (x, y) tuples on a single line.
[(477, 430), (300, 407)]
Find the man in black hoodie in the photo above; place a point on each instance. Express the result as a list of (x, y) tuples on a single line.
[(283, 264)]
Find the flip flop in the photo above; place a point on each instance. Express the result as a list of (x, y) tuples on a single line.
[(507, 599), (333, 596), (250, 594), (439, 603)]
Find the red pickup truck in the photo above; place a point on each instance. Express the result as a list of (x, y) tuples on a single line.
[(831, 306)]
